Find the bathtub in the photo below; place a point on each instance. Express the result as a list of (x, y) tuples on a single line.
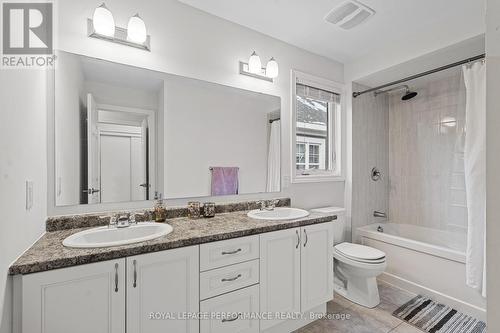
[(425, 261)]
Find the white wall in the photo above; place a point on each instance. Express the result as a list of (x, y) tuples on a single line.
[(68, 84), (208, 125), (23, 157), (191, 43), (493, 163), (130, 97)]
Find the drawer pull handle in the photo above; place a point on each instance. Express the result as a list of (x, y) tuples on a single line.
[(298, 239), (305, 242), (232, 319), (231, 252), (135, 273), (116, 278), (232, 279)]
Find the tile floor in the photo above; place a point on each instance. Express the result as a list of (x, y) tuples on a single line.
[(363, 320)]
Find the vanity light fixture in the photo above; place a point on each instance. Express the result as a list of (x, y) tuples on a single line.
[(102, 26), (136, 30), (254, 68), (272, 69), (254, 64), (103, 21)]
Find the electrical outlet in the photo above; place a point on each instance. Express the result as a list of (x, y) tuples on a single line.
[(29, 194)]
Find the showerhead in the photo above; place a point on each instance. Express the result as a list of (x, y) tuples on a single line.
[(408, 95)]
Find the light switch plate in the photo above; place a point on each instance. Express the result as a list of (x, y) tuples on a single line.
[(29, 194)]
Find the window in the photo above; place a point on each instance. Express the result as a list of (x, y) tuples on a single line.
[(317, 125)]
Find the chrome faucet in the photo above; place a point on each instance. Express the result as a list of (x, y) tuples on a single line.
[(379, 214), (122, 221), (268, 204)]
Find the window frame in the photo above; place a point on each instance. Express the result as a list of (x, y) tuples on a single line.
[(336, 130)]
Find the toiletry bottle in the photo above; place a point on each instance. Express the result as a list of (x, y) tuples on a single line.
[(160, 209)]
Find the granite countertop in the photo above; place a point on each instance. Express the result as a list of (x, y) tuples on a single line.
[(48, 252)]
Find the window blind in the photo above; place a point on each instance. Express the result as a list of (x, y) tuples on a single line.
[(306, 91)]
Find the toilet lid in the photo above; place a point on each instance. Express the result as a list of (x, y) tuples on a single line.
[(361, 252)]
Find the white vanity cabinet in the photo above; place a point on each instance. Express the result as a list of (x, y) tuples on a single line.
[(162, 291), (140, 294), (288, 272), (296, 270), (80, 299)]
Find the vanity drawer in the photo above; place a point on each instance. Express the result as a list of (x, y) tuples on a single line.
[(226, 279), (232, 313), (228, 252)]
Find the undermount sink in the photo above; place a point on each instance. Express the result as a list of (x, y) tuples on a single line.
[(277, 214), (107, 237)]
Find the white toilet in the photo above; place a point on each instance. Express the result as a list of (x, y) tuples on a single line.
[(356, 266)]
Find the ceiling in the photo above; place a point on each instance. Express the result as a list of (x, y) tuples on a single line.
[(415, 24)]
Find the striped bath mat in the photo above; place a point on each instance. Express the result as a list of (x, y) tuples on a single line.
[(433, 317)]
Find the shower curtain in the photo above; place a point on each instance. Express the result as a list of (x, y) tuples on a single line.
[(475, 174), (274, 158)]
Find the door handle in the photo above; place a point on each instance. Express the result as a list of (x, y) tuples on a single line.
[(305, 241), (232, 319), (145, 185), (91, 191), (231, 279), (135, 273), (116, 278), (298, 239), (231, 252)]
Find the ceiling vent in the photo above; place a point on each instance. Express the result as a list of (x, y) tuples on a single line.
[(349, 14)]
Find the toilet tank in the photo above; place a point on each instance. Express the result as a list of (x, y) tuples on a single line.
[(339, 227)]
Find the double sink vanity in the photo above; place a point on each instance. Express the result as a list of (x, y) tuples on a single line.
[(244, 270), (126, 135)]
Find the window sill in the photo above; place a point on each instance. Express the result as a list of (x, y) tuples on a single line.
[(316, 179)]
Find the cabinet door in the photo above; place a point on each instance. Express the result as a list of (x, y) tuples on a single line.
[(161, 287), (80, 299), (279, 274), (316, 265)]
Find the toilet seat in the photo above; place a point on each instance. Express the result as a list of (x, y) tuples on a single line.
[(359, 253)]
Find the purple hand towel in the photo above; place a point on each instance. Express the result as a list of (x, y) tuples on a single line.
[(224, 180)]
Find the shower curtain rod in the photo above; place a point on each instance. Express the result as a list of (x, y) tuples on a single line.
[(413, 77)]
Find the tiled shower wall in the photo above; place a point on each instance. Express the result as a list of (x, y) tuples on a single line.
[(426, 154), (370, 146)]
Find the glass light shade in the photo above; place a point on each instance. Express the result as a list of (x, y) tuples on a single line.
[(272, 69), (104, 23), (254, 64), (136, 30)]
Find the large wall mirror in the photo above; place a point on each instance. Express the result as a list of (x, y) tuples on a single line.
[(125, 134)]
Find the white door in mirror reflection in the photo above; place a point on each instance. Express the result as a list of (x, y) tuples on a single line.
[(122, 170), (117, 154)]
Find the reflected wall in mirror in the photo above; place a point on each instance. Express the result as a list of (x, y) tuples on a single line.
[(124, 134)]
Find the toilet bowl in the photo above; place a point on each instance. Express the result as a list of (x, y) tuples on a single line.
[(356, 269)]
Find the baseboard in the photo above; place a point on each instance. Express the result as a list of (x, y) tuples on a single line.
[(455, 303)]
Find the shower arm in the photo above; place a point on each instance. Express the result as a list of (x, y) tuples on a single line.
[(378, 92)]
